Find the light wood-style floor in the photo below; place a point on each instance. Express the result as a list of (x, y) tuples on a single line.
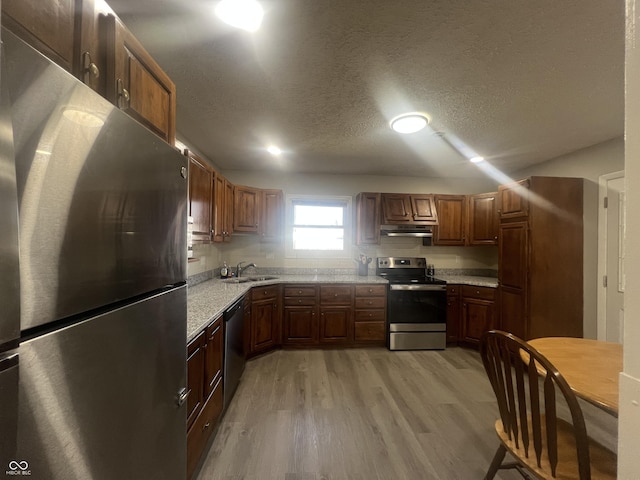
[(362, 414)]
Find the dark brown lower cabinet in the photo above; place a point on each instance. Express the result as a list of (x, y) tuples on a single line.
[(200, 432), (330, 315), (300, 325), (300, 315), (336, 325), (195, 377), (205, 356), (368, 332), (370, 314), (453, 313), (478, 313), (336, 314), (265, 318)]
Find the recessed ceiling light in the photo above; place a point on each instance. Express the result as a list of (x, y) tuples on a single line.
[(273, 150), (244, 14), (82, 117), (409, 122), (476, 159)]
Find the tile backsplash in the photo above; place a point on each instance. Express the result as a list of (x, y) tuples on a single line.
[(271, 259)]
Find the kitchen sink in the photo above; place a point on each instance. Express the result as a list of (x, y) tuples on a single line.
[(256, 278), (237, 280), (259, 278)]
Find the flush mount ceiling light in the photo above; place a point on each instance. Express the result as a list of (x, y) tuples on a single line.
[(82, 117), (273, 150), (477, 159), (244, 14), (409, 122)]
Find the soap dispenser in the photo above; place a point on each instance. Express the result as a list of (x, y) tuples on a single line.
[(224, 271)]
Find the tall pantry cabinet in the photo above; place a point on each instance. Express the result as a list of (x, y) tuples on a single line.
[(540, 257)]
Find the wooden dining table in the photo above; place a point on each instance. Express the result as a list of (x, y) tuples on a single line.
[(590, 367)]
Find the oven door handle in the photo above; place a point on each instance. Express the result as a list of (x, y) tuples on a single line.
[(432, 288)]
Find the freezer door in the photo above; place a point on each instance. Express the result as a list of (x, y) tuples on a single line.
[(102, 200), (9, 269), (100, 399)]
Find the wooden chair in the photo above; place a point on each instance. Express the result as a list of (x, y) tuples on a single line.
[(526, 386)]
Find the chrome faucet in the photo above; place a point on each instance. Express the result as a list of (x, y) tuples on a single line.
[(240, 269)]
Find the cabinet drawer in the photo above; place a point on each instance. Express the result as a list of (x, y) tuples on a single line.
[(453, 290), (336, 294), (260, 293), (217, 323), (482, 293), (203, 427), (371, 290), (299, 301), (300, 291), (369, 331), (371, 302), (369, 315)]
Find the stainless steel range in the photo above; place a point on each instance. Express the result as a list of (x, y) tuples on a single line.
[(416, 304)]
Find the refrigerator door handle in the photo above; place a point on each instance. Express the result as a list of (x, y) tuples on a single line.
[(9, 253), (183, 394), (8, 361)]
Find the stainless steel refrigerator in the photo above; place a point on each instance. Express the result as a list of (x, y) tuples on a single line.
[(92, 283)]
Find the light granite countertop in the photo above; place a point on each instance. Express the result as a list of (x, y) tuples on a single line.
[(470, 280), (208, 300)]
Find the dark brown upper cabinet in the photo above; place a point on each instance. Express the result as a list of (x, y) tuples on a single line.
[(408, 209)]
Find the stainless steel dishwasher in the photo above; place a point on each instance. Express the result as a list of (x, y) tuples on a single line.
[(234, 360)]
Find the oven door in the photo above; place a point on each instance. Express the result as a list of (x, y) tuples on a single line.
[(417, 304), (417, 317)]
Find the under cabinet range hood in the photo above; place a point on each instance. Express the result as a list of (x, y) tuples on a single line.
[(407, 230)]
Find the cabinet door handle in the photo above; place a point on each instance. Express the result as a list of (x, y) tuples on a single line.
[(206, 425), (182, 396), (123, 94), (89, 67)]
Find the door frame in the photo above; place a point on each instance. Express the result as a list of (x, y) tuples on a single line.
[(602, 252)]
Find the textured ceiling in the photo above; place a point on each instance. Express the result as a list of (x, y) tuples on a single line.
[(516, 81)]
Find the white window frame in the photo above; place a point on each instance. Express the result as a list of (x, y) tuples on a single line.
[(320, 199)]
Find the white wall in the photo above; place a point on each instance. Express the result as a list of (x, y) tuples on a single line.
[(629, 419), (588, 163)]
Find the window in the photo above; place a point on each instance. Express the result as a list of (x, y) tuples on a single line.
[(317, 226)]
